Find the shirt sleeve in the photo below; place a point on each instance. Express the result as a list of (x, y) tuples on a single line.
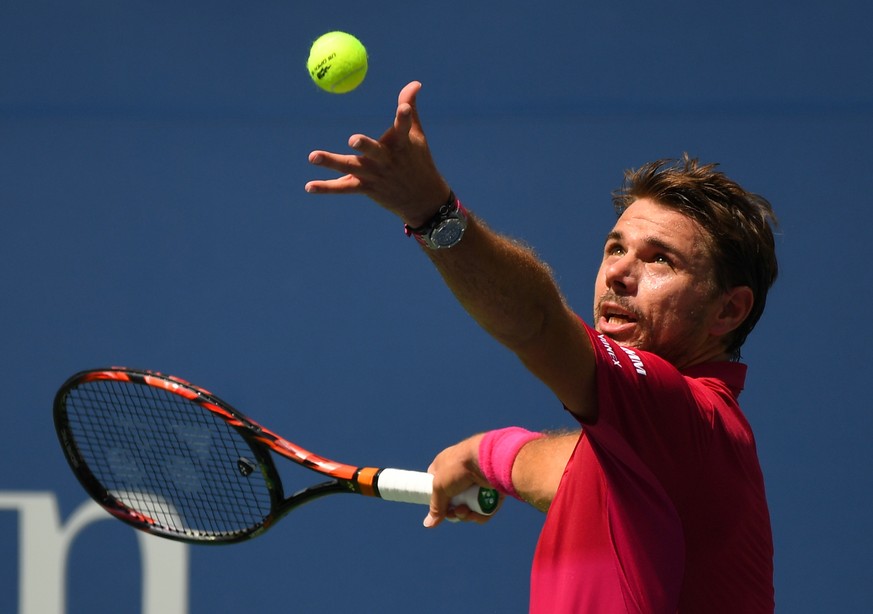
[(648, 415)]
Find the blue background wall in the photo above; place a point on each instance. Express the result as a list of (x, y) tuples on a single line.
[(152, 163)]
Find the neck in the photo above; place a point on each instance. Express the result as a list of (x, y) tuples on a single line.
[(712, 355)]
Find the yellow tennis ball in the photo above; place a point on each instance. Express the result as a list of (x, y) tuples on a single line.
[(337, 62)]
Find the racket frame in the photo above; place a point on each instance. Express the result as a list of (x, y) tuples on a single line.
[(343, 478)]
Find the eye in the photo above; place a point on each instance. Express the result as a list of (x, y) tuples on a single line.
[(662, 259), (613, 249)]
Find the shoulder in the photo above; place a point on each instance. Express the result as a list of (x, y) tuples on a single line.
[(632, 369), (633, 383)]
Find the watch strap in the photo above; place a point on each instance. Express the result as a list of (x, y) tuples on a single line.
[(452, 209)]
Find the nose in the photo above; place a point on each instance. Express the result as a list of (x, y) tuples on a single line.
[(621, 275)]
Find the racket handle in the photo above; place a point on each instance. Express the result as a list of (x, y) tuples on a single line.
[(417, 486)]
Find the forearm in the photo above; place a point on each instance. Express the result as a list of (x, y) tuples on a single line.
[(539, 467), (524, 464), (501, 284), (512, 294)]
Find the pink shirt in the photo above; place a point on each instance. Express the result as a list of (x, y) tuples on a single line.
[(662, 505)]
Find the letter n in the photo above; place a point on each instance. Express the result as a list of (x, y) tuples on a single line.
[(44, 544)]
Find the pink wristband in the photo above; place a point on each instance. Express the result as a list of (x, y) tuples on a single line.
[(497, 452)]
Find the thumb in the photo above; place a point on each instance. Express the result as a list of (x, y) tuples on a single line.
[(431, 520), (439, 505), (407, 110), (434, 515), (408, 94)]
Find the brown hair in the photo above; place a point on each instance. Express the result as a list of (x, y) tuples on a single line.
[(739, 223)]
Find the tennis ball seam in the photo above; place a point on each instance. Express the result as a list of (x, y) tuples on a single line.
[(335, 86)]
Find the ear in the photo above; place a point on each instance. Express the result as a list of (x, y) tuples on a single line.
[(736, 304)]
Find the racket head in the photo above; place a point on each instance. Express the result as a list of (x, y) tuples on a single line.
[(167, 457)]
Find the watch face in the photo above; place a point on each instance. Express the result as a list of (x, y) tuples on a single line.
[(448, 233)]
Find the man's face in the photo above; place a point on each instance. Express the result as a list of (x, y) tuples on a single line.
[(654, 290)]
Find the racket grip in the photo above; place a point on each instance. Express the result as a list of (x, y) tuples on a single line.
[(417, 486)]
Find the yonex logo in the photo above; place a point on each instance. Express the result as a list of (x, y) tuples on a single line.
[(636, 360), (609, 351)]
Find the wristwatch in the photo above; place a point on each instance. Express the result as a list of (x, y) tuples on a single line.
[(445, 229)]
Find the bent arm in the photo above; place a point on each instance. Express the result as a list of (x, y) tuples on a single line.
[(539, 467), (536, 472)]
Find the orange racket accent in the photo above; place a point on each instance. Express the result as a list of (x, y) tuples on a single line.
[(366, 480)]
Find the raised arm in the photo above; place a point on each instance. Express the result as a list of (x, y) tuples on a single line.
[(513, 296), (501, 283)]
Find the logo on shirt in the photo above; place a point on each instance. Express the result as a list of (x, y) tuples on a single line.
[(636, 361), (610, 351)]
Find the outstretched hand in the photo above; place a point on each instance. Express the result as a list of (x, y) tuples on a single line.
[(397, 171)]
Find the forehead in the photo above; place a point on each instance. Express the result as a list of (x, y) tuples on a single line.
[(647, 221)]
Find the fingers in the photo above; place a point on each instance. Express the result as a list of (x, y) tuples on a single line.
[(337, 162), (408, 93), (461, 513), (432, 519), (349, 165), (439, 502), (406, 100), (347, 184), (451, 477), (356, 168), (372, 152), (396, 171), (406, 117), (407, 111), (365, 145)]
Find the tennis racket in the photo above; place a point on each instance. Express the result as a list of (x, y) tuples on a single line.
[(174, 460)]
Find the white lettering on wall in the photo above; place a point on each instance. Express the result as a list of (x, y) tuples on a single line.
[(44, 544)]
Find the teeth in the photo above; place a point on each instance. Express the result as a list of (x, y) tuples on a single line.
[(614, 319)]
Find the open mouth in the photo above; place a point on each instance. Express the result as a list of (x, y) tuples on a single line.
[(617, 319), (614, 317)]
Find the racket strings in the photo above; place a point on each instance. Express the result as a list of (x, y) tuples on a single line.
[(168, 459)]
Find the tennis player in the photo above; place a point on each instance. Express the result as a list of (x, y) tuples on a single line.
[(657, 503)]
